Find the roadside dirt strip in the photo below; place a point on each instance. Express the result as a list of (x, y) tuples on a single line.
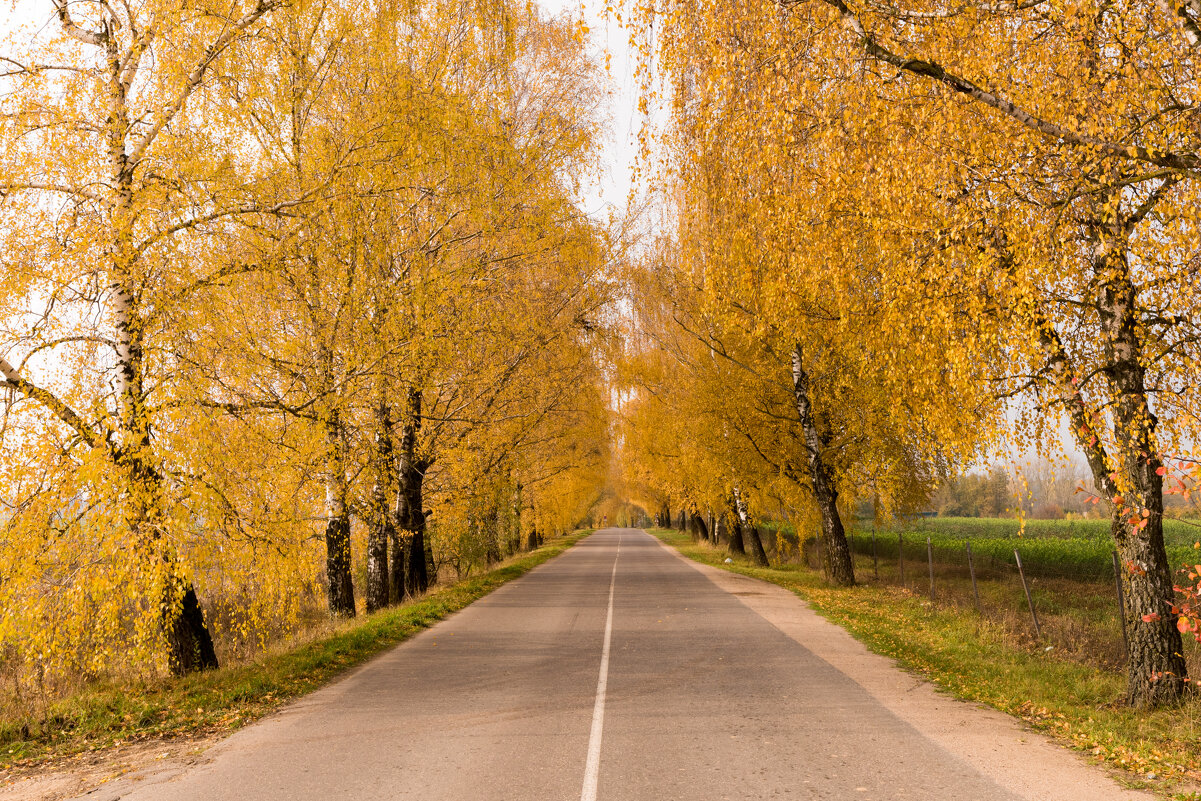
[(622, 671)]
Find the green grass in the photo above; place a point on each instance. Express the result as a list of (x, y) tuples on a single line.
[(978, 660), (222, 700), (1089, 559)]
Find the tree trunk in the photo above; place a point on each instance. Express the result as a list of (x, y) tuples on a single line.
[(190, 646), (379, 534), (337, 527), (1128, 478), (337, 566), (736, 543), (700, 532), (835, 551), (398, 557), (757, 549), (189, 643), (490, 533), (411, 512), (1156, 671), (750, 532), (516, 524), (417, 577), (381, 526)]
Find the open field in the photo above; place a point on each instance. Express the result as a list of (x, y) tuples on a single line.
[(1177, 531), (1077, 549)]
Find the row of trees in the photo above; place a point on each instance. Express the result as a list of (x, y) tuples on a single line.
[(910, 235), (277, 283)]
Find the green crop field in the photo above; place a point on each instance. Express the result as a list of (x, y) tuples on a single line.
[(1079, 548), (1176, 532)]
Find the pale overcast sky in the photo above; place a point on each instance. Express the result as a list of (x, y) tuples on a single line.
[(611, 189)]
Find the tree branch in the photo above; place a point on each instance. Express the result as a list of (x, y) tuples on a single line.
[(1188, 162), (74, 31), (196, 76), (51, 401)]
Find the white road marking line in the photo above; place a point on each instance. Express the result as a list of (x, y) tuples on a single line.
[(592, 766)]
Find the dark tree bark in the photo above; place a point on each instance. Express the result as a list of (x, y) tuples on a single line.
[(749, 531), (737, 545), (836, 552), (1156, 673), (188, 638), (699, 530), (379, 535), (417, 573), (411, 499), (189, 642), (488, 530), (757, 550), (337, 566), (381, 526), (337, 528), (398, 559), (519, 541)]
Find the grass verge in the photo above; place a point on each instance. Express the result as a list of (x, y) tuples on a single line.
[(973, 659), (223, 700)]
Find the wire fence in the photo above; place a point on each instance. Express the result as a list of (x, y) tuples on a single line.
[(1055, 595)]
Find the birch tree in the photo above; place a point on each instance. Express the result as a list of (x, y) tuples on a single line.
[(109, 195)]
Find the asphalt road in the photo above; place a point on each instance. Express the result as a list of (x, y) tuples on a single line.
[(616, 671)]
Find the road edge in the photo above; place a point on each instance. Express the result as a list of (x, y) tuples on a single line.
[(997, 745)]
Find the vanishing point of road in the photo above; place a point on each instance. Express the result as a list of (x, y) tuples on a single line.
[(619, 671)]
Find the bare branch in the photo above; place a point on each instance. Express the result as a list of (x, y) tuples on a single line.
[(51, 401), (8, 189), (64, 341)]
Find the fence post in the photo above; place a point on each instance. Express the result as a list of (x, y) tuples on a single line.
[(1117, 577), (1029, 600), (971, 566), (875, 556), (901, 557), (930, 565)]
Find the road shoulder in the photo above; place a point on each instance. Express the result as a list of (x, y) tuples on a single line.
[(1025, 762)]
